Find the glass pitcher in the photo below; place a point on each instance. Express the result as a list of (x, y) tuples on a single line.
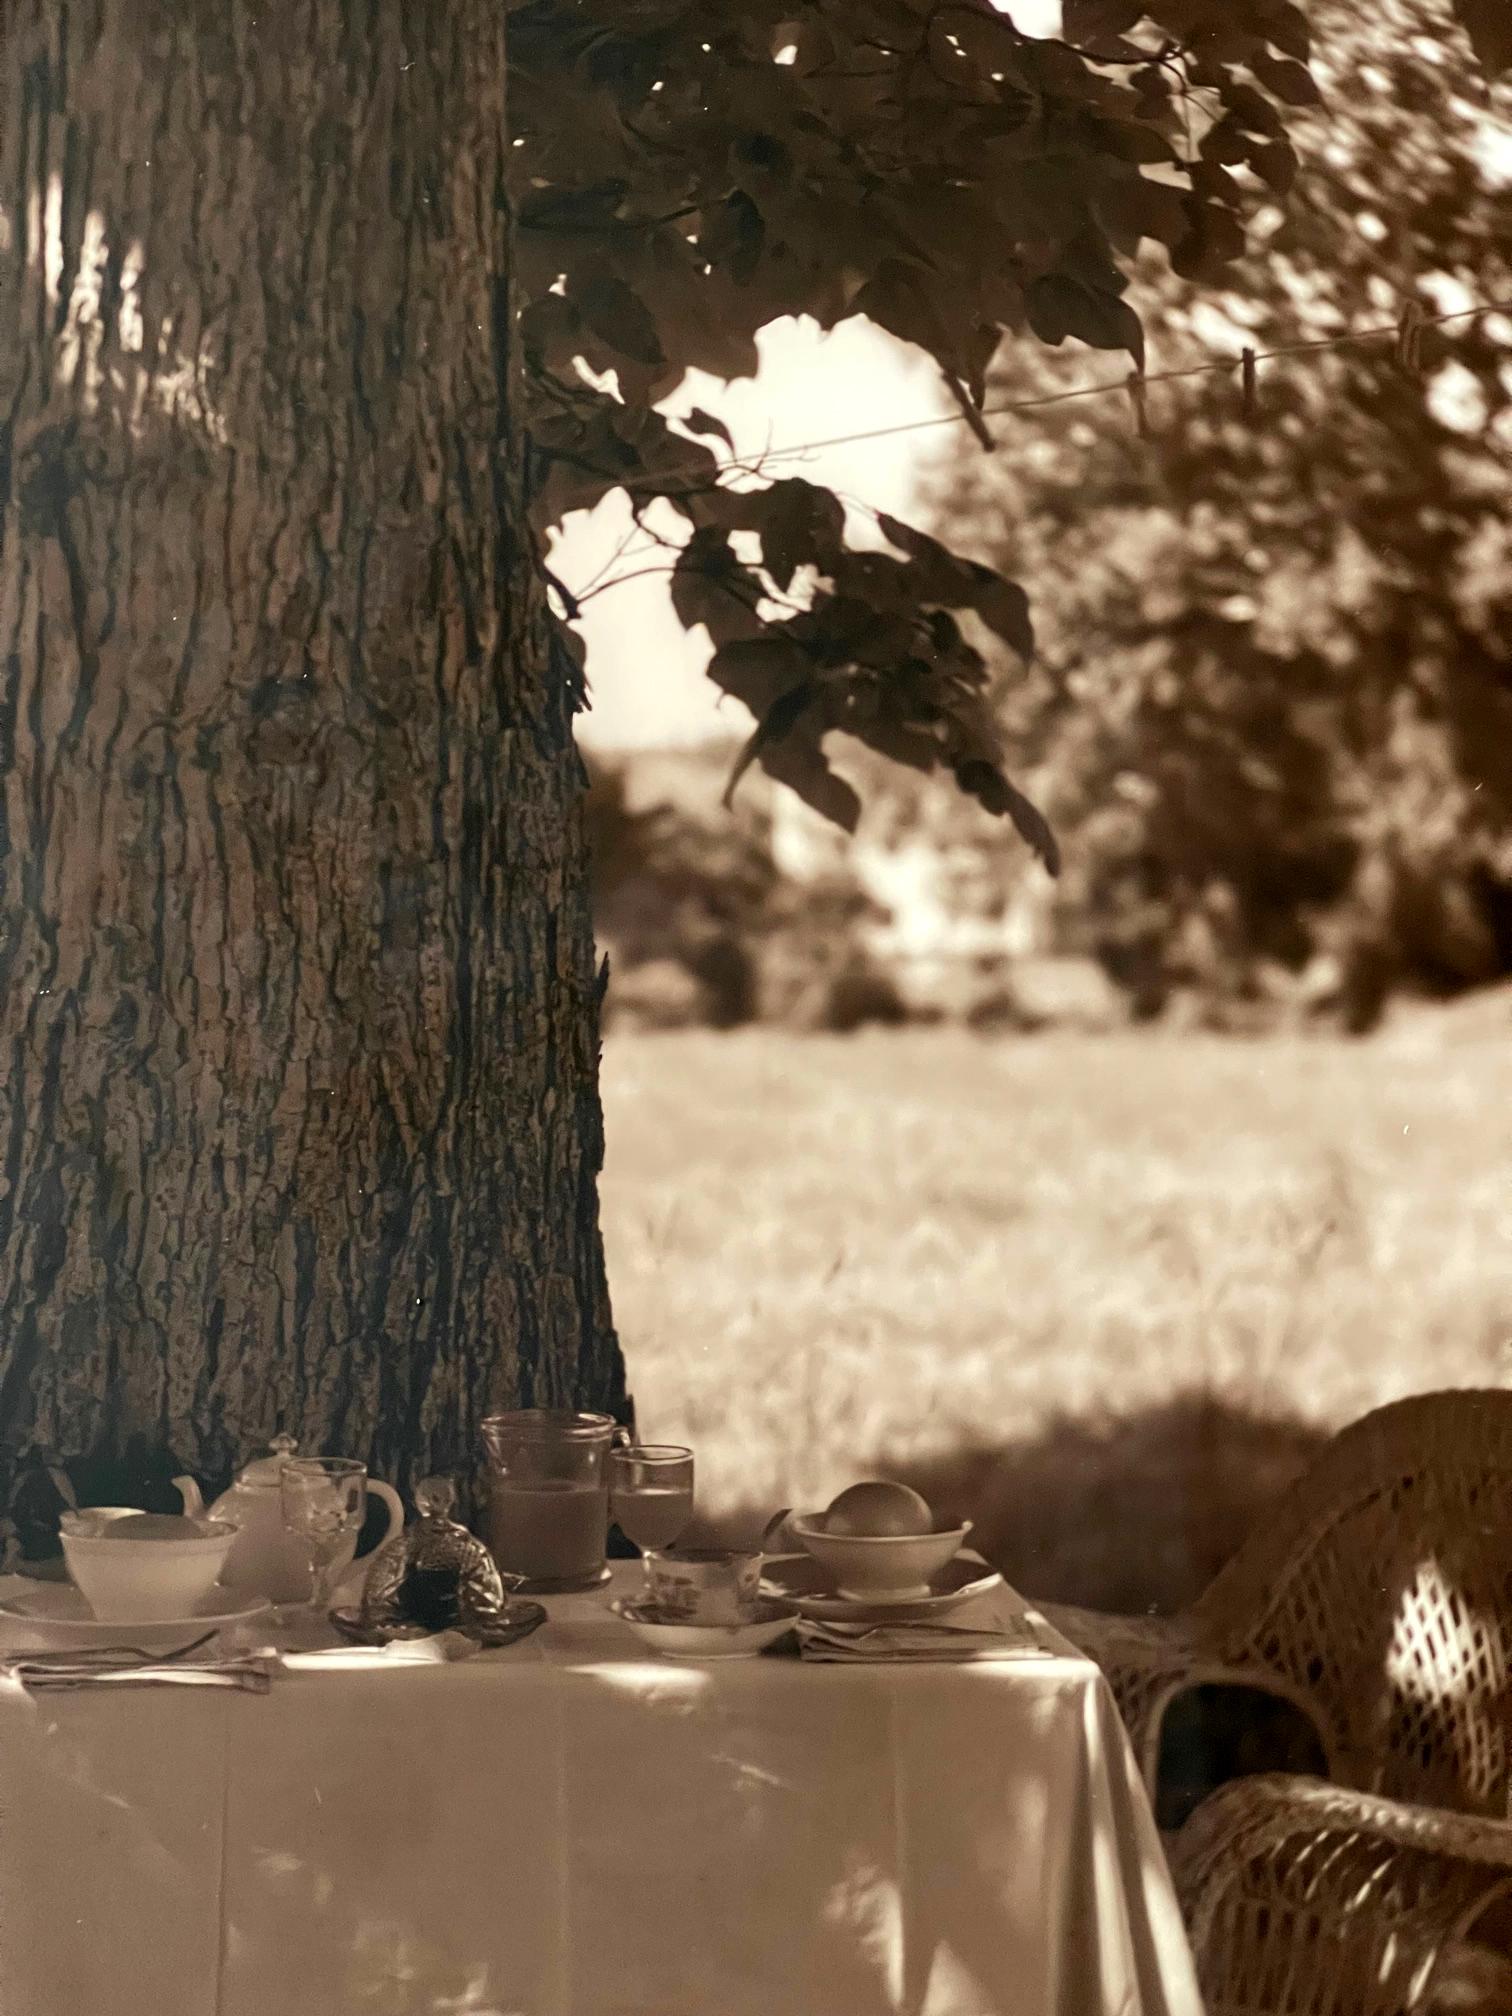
[(548, 1496)]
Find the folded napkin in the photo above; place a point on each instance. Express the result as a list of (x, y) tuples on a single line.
[(1007, 1637), (251, 1672)]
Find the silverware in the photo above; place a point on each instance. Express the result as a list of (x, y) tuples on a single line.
[(919, 1641), (109, 1656), (852, 1634)]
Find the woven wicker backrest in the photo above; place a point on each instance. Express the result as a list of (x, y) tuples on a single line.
[(1383, 1585)]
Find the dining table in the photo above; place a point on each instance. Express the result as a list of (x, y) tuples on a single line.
[(574, 1826)]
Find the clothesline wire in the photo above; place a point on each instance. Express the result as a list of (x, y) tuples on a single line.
[(1136, 381), (1405, 332)]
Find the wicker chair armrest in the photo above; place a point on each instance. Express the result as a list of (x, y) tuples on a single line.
[(1150, 1661), (1255, 1815), (1307, 1896)]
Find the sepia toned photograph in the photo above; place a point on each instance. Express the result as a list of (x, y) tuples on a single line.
[(755, 1007)]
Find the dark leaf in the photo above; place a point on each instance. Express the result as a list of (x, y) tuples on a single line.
[(874, 621), (903, 741), (1059, 307), (711, 586), (937, 575), (1284, 26), (760, 158), (992, 790), (700, 422), (570, 656), (776, 723), (811, 43), (1133, 140), (871, 590), (799, 523), (1004, 608), (1276, 165), (572, 209), (617, 316), (980, 353), (1226, 140), (803, 767), (732, 236), (1213, 242), (1254, 112), (1212, 180), (892, 299), (757, 670), (1291, 82), (1140, 208), (551, 332), (1488, 23), (945, 633), (1086, 21)]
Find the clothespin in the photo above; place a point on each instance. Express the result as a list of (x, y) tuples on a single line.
[(1247, 385), (1409, 344), (1138, 398)]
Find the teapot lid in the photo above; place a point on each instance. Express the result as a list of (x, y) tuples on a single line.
[(262, 1472)]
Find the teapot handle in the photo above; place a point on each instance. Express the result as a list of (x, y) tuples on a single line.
[(394, 1503), (189, 1491)]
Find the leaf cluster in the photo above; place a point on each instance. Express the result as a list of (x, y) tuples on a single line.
[(688, 173)]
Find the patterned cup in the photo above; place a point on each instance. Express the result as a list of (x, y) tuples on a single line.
[(703, 1585)]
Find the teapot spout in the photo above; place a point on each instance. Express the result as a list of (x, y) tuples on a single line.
[(189, 1491)]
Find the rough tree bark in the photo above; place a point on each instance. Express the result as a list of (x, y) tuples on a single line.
[(298, 1014)]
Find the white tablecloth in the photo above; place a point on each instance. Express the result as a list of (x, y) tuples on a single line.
[(571, 1827)]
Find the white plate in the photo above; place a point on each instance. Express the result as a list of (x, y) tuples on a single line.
[(55, 1613), (798, 1579), (770, 1621)]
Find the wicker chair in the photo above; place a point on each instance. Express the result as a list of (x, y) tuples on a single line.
[(1374, 1599), (1379, 1599)]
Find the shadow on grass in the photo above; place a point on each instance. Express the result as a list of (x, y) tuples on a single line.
[(1132, 1513)]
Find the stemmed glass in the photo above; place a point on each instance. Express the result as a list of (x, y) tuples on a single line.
[(324, 1499), (651, 1492)]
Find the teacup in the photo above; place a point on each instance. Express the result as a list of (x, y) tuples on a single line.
[(143, 1567), (703, 1585)]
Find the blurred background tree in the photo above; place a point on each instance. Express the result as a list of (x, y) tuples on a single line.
[(1271, 713)]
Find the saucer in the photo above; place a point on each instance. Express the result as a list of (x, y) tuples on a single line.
[(55, 1613), (769, 1619), (518, 1621), (798, 1579)]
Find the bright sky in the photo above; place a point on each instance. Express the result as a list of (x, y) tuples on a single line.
[(646, 671)]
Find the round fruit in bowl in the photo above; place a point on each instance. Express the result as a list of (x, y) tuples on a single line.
[(879, 1542), (878, 1511)]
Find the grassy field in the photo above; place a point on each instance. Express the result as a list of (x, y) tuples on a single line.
[(1103, 1294)]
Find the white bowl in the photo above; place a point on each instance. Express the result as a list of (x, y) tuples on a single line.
[(144, 1566), (883, 1567)]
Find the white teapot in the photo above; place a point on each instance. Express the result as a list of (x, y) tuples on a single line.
[(265, 1559)]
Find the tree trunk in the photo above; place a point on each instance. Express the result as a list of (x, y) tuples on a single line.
[(299, 1025)]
